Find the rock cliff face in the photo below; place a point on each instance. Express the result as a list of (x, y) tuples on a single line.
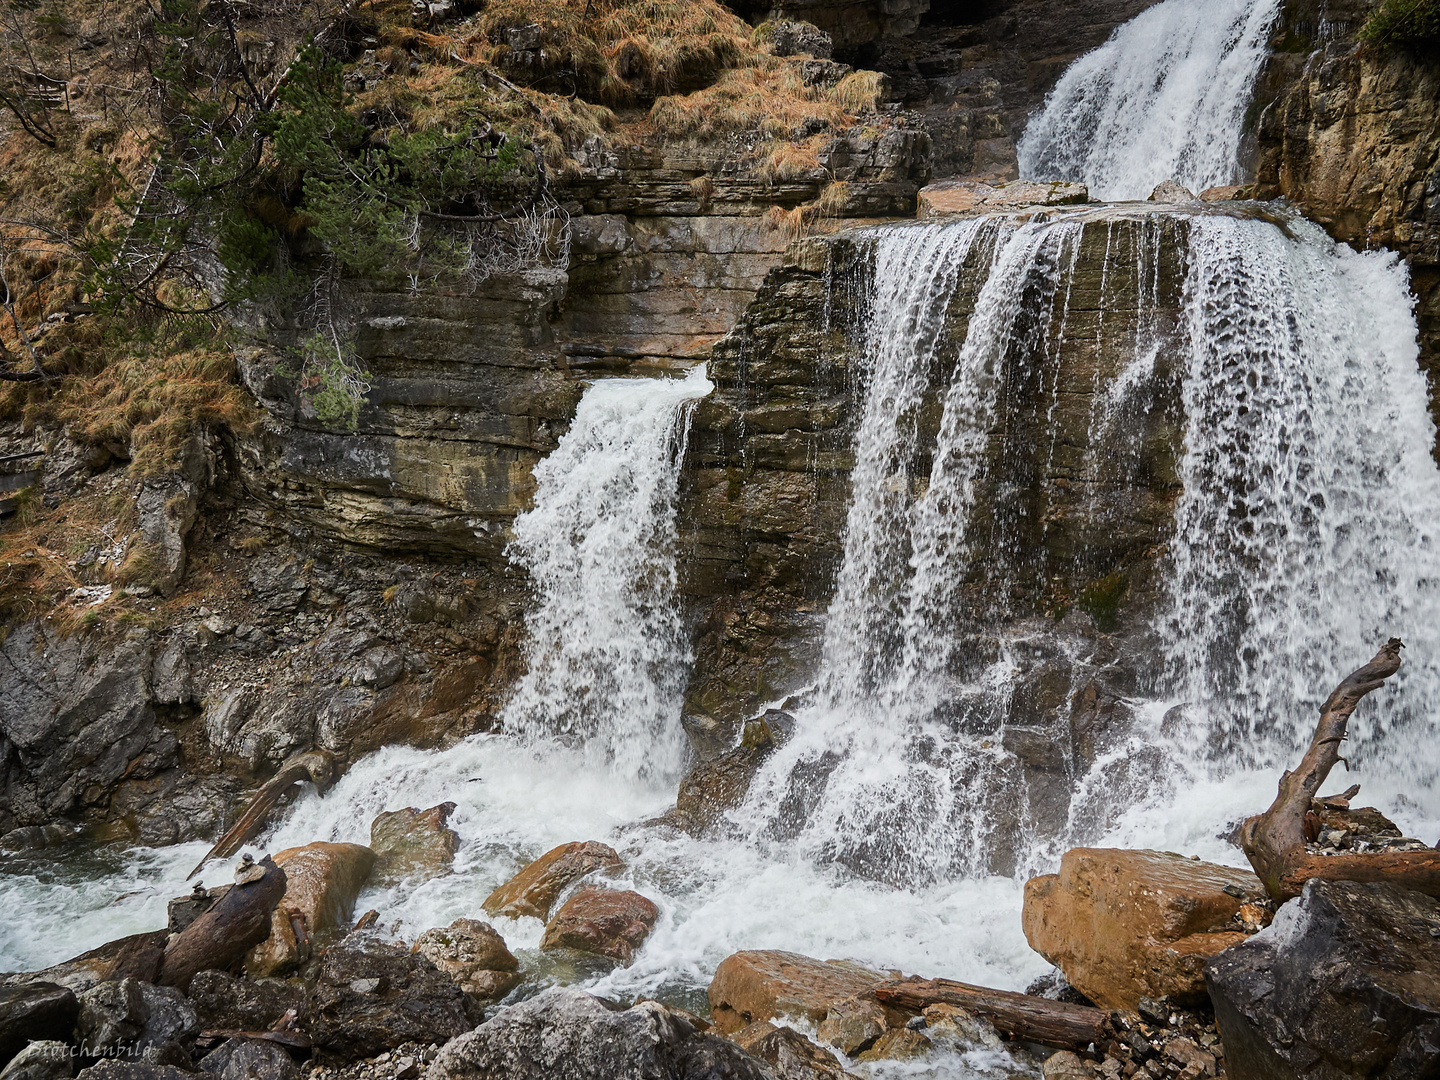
[(1350, 134)]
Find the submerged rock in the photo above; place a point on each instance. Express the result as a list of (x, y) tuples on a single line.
[(568, 1033), (761, 985), (534, 890), (607, 922), (1345, 982), (38, 1010), (321, 883), (412, 843), (474, 955), (1123, 925), (373, 995)]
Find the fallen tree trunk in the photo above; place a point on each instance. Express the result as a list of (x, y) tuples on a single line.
[(317, 766), (1050, 1023), (1274, 842), (221, 936)]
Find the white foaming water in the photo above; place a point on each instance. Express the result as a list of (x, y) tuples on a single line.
[(606, 653), (1163, 99), (1308, 449)]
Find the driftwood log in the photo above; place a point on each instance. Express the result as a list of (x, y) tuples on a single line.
[(1274, 842), (1050, 1023), (317, 766), (222, 935)]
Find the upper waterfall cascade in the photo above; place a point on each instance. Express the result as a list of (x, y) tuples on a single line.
[(1164, 99)]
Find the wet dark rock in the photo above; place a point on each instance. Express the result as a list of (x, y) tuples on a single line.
[(124, 1069), (720, 784), (35, 1010), (227, 1003), (44, 1059), (1345, 982), (568, 1033), (129, 1016), (249, 1059), (373, 995)]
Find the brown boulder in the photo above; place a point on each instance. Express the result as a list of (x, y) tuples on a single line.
[(414, 843), (853, 1025), (1123, 925), (474, 955), (898, 1044), (322, 881), (607, 922), (760, 985), (534, 890), (787, 1052)]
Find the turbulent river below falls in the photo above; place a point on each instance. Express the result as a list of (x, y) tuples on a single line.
[(1304, 537)]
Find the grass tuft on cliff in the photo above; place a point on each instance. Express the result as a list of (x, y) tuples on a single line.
[(1404, 24)]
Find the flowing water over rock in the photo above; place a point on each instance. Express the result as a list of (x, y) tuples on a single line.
[(1163, 99), (607, 656)]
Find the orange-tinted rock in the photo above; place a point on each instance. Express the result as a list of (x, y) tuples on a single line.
[(534, 890), (474, 955), (1123, 925), (321, 883), (607, 922), (412, 843), (760, 985)]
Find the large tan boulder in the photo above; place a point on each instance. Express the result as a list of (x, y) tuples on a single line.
[(534, 890), (474, 955), (1123, 925), (606, 922), (322, 881), (761, 985), (412, 843)]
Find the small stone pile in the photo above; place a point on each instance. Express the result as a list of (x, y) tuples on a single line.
[(408, 1061), (1157, 1043)]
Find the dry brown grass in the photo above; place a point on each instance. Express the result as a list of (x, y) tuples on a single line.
[(154, 403), (797, 221), (616, 52)]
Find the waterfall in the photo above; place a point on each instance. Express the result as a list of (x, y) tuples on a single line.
[(1304, 537), (606, 656), (1165, 98), (1308, 450)]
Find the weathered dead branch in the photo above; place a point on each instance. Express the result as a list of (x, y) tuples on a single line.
[(1275, 841)]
